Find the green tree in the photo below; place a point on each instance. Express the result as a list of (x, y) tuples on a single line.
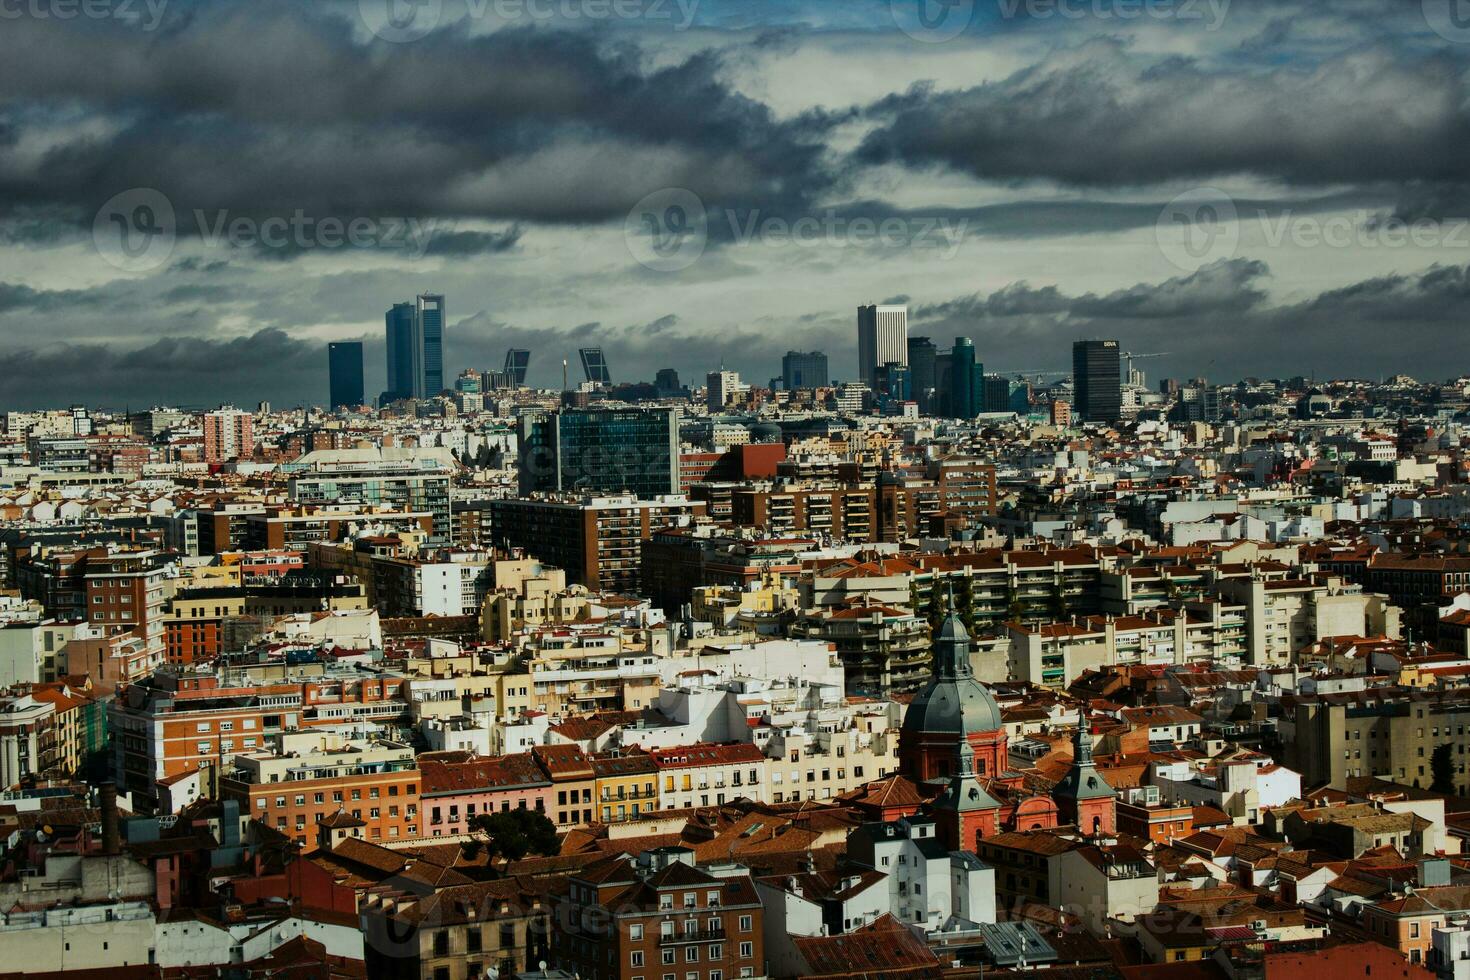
[(515, 833), (1442, 768), (1057, 603), (966, 602), (936, 609), (1015, 608)]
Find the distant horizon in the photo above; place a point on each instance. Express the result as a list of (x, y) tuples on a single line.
[(1257, 189)]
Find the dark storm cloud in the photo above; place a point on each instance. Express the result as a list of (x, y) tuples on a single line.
[(194, 263), (461, 244), (183, 370), (1099, 116), (16, 296), (267, 107), (1218, 322), (1223, 286)]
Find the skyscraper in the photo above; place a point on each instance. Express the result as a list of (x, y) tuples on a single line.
[(1097, 384), (666, 382), (594, 365), (344, 373), (966, 380), (416, 348), (720, 386), (895, 383), (403, 356), (922, 377), (883, 333), (800, 370), (431, 338), (516, 363)]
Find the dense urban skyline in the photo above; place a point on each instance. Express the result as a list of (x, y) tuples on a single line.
[(1026, 165), (734, 489)]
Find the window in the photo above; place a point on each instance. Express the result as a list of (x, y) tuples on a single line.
[(745, 926), (747, 950), (635, 958), (691, 954), (668, 957), (635, 931)]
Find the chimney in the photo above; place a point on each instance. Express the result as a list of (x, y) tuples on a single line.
[(111, 838)]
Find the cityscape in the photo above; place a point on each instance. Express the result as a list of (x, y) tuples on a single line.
[(698, 490)]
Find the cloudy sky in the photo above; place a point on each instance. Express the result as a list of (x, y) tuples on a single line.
[(197, 195)]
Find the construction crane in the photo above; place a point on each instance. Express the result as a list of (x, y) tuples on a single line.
[(1130, 357)]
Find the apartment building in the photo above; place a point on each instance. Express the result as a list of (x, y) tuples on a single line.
[(79, 723), (661, 914), (31, 648), (407, 481), (317, 774), (1285, 614), (459, 786), (676, 561), (181, 720), (1390, 732), (597, 540), (883, 648), (27, 738), (708, 774), (626, 785), (455, 929)]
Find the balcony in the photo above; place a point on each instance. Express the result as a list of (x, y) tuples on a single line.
[(697, 936)]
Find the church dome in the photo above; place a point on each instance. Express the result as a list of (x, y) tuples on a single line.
[(954, 703)]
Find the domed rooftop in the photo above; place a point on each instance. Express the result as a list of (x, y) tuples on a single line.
[(954, 703), (765, 432)]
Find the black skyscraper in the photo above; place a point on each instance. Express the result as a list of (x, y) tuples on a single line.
[(1097, 383), (344, 373), (803, 370), (403, 356), (922, 378)]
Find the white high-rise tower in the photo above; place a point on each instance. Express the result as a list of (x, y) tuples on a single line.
[(883, 338)]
